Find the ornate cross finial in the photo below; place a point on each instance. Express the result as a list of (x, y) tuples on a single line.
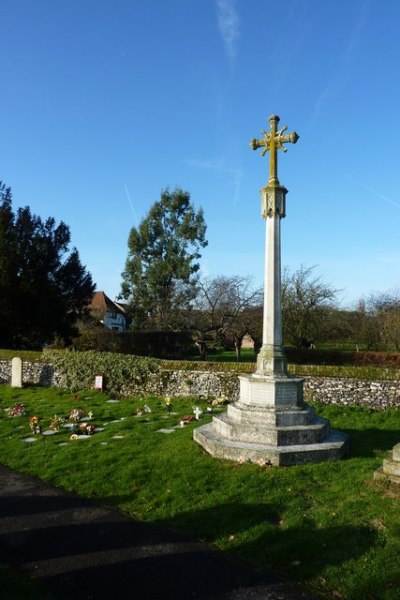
[(273, 141)]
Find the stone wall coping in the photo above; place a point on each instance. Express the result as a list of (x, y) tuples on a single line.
[(224, 385)]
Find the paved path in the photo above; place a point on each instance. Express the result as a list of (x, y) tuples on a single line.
[(81, 551)]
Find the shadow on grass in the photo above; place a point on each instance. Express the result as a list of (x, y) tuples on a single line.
[(14, 585), (90, 549), (79, 549), (76, 549), (309, 546), (364, 443)]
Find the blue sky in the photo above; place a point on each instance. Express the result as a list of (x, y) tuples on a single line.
[(105, 103)]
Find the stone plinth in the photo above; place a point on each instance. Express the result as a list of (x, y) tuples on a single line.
[(271, 424), (390, 469)]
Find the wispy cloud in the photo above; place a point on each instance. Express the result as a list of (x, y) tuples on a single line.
[(219, 165), (346, 62), (213, 164), (229, 25)]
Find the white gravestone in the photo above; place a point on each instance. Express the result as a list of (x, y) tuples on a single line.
[(16, 372)]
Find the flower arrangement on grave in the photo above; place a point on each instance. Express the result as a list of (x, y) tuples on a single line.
[(34, 424), (187, 419), (56, 422), (141, 411), (76, 414), (18, 410), (168, 403), (264, 462), (87, 429)]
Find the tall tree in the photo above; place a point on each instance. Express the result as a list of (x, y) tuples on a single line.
[(162, 265), (306, 304), (44, 289)]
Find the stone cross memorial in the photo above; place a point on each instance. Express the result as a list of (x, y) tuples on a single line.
[(270, 424)]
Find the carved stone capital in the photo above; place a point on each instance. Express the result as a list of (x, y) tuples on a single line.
[(273, 201)]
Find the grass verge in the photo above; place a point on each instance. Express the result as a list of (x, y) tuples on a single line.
[(329, 525), (220, 363)]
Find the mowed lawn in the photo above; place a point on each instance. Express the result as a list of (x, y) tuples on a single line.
[(329, 525)]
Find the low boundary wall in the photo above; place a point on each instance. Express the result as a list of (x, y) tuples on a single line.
[(222, 386)]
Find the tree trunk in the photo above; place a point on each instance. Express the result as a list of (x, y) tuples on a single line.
[(238, 347), (202, 346), (257, 345)]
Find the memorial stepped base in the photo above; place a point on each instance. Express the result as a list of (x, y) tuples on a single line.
[(391, 467), (313, 433), (270, 424), (282, 456)]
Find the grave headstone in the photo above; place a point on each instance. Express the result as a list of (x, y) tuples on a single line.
[(16, 372), (99, 383)]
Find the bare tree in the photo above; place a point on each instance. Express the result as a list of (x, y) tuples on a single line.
[(220, 307), (382, 314), (306, 304), (248, 322), (255, 325)]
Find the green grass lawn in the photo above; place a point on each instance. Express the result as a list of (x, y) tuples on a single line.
[(246, 355), (329, 525)]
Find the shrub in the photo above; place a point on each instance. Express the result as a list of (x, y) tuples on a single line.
[(78, 369)]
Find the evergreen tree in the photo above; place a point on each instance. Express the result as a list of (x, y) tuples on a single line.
[(162, 265), (44, 289)]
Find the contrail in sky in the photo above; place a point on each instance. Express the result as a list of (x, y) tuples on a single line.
[(131, 205), (374, 192)]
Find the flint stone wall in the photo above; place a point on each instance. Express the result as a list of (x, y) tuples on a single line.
[(36, 373), (378, 395)]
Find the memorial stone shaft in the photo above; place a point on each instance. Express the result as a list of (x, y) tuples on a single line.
[(271, 359), (270, 423)]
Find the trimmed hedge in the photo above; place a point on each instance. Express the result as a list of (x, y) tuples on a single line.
[(159, 344), (216, 367), (32, 355), (338, 358), (310, 370), (77, 370)]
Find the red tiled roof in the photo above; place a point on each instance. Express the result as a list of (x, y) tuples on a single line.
[(101, 304)]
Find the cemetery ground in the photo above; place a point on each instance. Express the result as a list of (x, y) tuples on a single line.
[(330, 526)]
